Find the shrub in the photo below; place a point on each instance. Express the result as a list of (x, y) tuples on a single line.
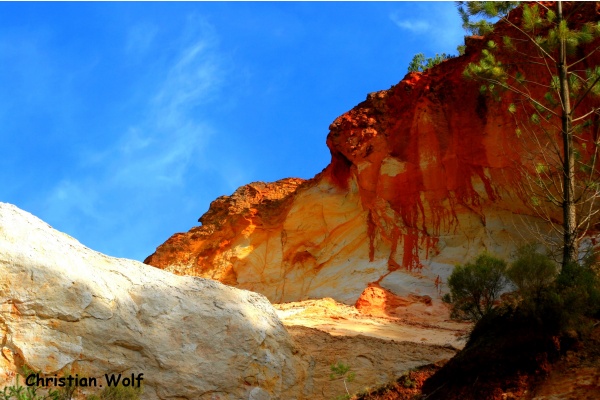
[(532, 272), (409, 383), (118, 392), (519, 338), (563, 300), (504, 346), (342, 371), (447, 298), (475, 287), (578, 286)]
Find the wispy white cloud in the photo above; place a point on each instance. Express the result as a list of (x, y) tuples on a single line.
[(159, 160), (191, 81), (157, 152), (438, 24), (411, 25), (159, 149)]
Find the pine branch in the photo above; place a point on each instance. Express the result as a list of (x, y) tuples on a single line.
[(584, 57)]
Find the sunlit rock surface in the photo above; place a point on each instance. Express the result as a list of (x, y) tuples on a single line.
[(417, 183), (65, 309), (422, 176)]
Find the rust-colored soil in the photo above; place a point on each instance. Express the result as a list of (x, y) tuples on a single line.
[(408, 387), (575, 376)]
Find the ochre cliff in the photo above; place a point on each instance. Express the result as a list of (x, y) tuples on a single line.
[(422, 176)]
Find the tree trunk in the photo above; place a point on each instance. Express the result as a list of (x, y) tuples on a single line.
[(568, 206)]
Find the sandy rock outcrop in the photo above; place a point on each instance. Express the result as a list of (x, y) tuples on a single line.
[(426, 324), (65, 309), (378, 301), (422, 176), (374, 362)]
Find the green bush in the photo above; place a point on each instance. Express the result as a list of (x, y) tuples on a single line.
[(519, 337), (578, 286), (118, 392), (447, 298), (476, 287), (563, 300), (532, 272)]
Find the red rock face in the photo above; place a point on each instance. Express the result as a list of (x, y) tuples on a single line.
[(423, 176), (229, 217), (378, 301)]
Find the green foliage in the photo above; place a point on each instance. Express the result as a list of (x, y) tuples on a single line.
[(487, 10), (532, 273), (409, 383), (541, 168), (560, 301), (578, 285), (447, 298), (118, 392), (421, 64), (508, 42), (342, 397), (519, 337), (490, 69), (416, 63), (18, 392), (475, 287), (547, 37), (518, 132), (342, 371), (67, 392)]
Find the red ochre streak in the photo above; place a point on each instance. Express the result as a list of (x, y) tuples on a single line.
[(430, 158)]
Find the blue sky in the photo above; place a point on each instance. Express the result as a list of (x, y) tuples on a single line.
[(121, 122)]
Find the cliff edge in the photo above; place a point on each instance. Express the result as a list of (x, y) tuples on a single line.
[(422, 176)]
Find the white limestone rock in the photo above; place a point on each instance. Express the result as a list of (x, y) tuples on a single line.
[(67, 309)]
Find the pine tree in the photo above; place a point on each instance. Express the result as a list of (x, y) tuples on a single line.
[(555, 108), (421, 64)]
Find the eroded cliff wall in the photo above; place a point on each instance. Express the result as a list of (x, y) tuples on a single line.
[(422, 176)]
